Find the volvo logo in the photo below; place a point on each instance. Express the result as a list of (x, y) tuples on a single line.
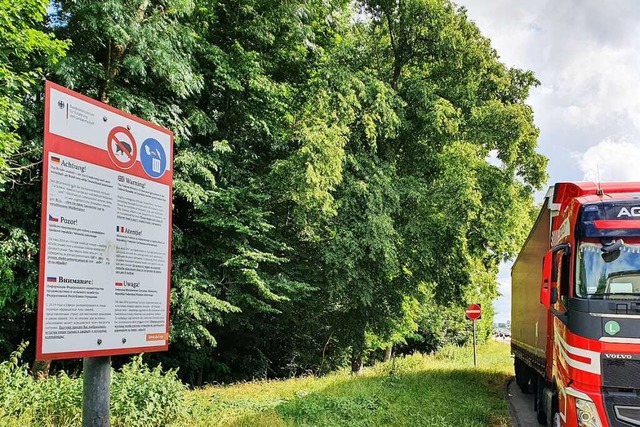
[(617, 356)]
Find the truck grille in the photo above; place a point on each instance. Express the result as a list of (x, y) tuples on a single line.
[(621, 373), (622, 407), (621, 391), (629, 414)]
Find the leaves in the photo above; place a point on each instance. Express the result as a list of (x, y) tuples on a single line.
[(346, 176), (26, 47)]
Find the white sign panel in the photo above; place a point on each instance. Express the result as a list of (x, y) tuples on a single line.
[(106, 230)]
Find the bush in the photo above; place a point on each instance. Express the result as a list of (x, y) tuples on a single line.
[(146, 397), (140, 396)]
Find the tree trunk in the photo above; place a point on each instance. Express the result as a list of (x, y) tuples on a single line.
[(201, 370), (356, 362), (40, 368), (200, 375), (388, 353), (358, 348), (395, 48)]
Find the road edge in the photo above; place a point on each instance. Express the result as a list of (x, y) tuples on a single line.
[(515, 422)]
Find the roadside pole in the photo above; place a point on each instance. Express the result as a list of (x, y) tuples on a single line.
[(473, 313), (96, 391), (475, 356)]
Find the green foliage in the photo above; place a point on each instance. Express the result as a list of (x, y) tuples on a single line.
[(348, 176), (416, 390), (140, 396), (26, 47), (56, 401)]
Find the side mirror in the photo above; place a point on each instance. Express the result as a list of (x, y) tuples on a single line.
[(545, 287)]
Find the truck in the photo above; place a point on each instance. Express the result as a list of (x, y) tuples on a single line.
[(575, 309)]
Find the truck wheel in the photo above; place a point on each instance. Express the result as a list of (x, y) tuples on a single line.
[(518, 370), (553, 419), (538, 402), (523, 376), (541, 416)]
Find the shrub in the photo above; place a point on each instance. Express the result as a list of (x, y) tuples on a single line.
[(140, 396)]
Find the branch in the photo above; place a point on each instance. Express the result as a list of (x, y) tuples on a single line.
[(397, 66), (30, 165)]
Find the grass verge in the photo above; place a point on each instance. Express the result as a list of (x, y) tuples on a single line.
[(440, 390)]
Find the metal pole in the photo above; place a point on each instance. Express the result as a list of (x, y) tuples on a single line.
[(96, 387), (475, 357)]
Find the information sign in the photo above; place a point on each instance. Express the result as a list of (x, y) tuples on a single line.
[(106, 230)]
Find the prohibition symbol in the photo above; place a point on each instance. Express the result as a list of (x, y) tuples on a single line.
[(121, 147), (473, 312)]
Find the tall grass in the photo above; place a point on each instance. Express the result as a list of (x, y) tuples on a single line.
[(437, 391), (140, 396), (441, 390)]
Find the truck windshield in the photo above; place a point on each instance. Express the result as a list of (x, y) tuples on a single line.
[(617, 278)]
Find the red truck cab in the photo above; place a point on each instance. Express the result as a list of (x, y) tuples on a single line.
[(576, 307)]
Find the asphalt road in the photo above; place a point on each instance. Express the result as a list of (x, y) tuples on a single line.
[(520, 406)]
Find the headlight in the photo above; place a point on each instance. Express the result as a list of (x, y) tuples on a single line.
[(587, 413)]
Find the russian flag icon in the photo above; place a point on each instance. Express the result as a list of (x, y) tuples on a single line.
[(52, 279), (53, 218)]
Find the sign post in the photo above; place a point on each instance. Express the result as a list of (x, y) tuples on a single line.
[(473, 313), (96, 391), (105, 250)]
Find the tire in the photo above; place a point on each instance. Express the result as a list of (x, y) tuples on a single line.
[(519, 368), (541, 415), (555, 415), (524, 376), (538, 403)]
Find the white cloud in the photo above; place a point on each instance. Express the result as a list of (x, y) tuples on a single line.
[(585, 54), (615, 160)]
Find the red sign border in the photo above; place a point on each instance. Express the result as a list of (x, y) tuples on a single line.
[(473, 307), (43, 229)]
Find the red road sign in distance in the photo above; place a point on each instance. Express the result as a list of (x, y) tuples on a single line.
[(105, 243), (473, 312)]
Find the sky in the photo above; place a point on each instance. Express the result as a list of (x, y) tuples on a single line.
[(586, 54)]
